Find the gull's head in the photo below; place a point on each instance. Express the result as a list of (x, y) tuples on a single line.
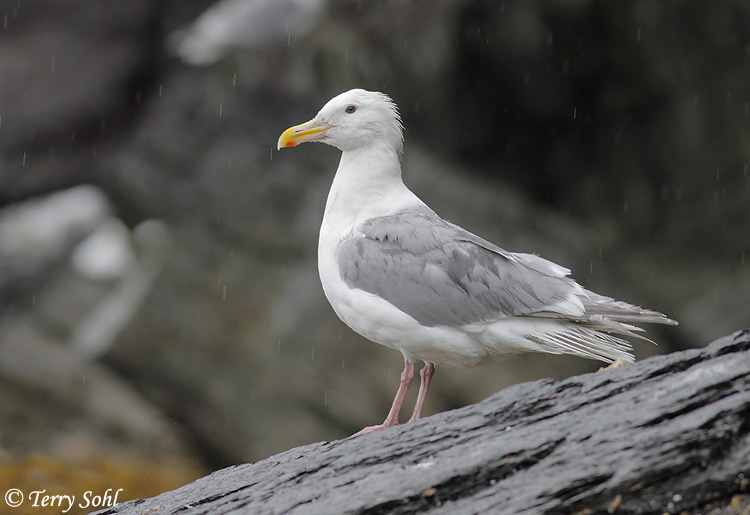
[(350, 121)]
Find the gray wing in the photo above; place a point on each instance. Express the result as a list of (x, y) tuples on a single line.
[(441, 274)]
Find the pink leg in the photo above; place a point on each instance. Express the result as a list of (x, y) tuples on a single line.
[(392, 419), (426, 374)]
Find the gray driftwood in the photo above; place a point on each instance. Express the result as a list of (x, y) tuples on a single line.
[(670, 434)]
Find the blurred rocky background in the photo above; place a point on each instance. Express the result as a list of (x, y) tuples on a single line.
[(160, 306)]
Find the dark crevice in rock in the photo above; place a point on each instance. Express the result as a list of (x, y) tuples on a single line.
[(673, 368), (463, 486), (212, 498)]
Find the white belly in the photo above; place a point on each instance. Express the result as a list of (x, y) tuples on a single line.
[(381, 322)]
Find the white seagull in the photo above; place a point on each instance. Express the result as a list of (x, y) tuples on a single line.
[(401, 276)]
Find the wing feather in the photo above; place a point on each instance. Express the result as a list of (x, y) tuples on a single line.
[(441, 274)]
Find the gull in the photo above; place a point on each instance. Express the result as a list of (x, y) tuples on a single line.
[(401, 276)]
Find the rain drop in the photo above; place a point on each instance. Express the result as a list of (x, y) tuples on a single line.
[(325, 401), (220, 108), (224, 294), (312, 356), (575, 110), (638, 35), (24, 159), (343, 361)]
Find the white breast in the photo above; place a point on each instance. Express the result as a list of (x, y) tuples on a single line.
[(371, 316)]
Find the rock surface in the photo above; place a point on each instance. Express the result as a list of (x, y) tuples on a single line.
[(670, 434)]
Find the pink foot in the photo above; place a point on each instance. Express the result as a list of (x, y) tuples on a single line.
[(392, 419), (372, 429), (426, 374)]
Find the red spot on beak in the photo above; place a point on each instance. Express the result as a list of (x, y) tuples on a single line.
[(290, 144)]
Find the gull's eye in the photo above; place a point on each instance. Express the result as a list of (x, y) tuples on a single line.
[(350, 109)]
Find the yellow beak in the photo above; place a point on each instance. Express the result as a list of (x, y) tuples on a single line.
[(308, 131)]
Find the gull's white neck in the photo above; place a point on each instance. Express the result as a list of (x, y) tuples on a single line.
[(367, 184)]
